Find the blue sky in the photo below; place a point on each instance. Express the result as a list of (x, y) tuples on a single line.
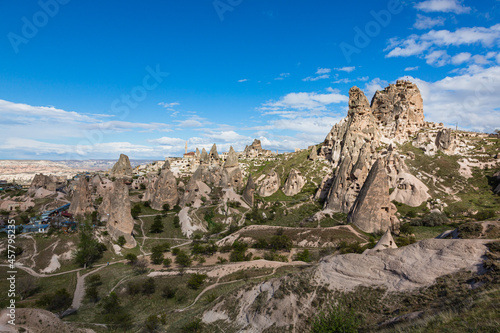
[(93, 79)]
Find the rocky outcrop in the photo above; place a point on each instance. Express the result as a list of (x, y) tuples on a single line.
[(255, 150), (385, 242), (497, 177), (81, 203), (232, 159), (213, 156), (163, 190), (270, 184), (351, 147), (122, 168), (409, 190), (444, 140), (313, 155), (248, 192), (398, 110), (197, 155), (204, 159), (373, 210), (294, 183), (116, 209), (48, 183)]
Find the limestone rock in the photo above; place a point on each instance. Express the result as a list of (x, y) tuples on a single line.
[(294, 183), (81, 203), (385, 242), (255, 150), (122, 168), (232, 159), (231, 177), (399, 110), (194, 191), (213, 155), (49, 183), (444, 140), (197, 154), (248, 192), (410, 190), (314, 154), (373, 211), (204, 159), (117, 211), (163, 190), (270, 184)]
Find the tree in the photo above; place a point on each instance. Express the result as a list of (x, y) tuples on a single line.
[(136, 210), (304, 256), (56, 302), (141, 266), (132, 258), (168, 292), (196, 280), (152, 323), (239, 252), (89, 249), (166, 207), (142, 186), (121, 241), (91, 293), (157, 226), (177, 221), (167, 262), (157, 255), (147, 203), (183, 259), (149, 286), (114, 314)]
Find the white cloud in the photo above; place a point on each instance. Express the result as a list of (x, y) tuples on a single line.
[(283, 76), (323, 71), (242, 80), (425, 22), (167, 141), (408, 47), (460, 58), (408, 69), (169, 105), (346, 69), (363, 78), (124, 126), (321, 77), (445, 6), (469, 99), (304, 101), (344, 80), (437, 58)]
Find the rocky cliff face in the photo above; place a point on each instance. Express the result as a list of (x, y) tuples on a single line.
[(49, 183), (163, 190), (213, 156), (231, 174), (248, 192), (122, 168), (373, 210), (116, 210), (255, 150), (81, 203), (367, 133), (270, 184), (294, 183), (399, 110)]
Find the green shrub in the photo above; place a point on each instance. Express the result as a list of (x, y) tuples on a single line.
[(304, 256), (337, 319), (431, 220), (196, 280)]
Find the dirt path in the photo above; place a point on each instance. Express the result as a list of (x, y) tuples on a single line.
[(80, 288), (217, 283)]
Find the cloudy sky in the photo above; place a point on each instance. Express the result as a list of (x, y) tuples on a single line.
[(93, 79)]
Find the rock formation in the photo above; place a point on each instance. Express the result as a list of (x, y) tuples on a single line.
[(444, 139), (204, 157), (294, 183), (385, 242), (197, 154), (373, 210), (248, 192), (231, 174), (270, 184), (497, 177), (163, 190), (48, 183), (398, 110), (116, 210), (122, 168), (314, 154), (255, 150), (409, 190), (81, 203), (213, 156)]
